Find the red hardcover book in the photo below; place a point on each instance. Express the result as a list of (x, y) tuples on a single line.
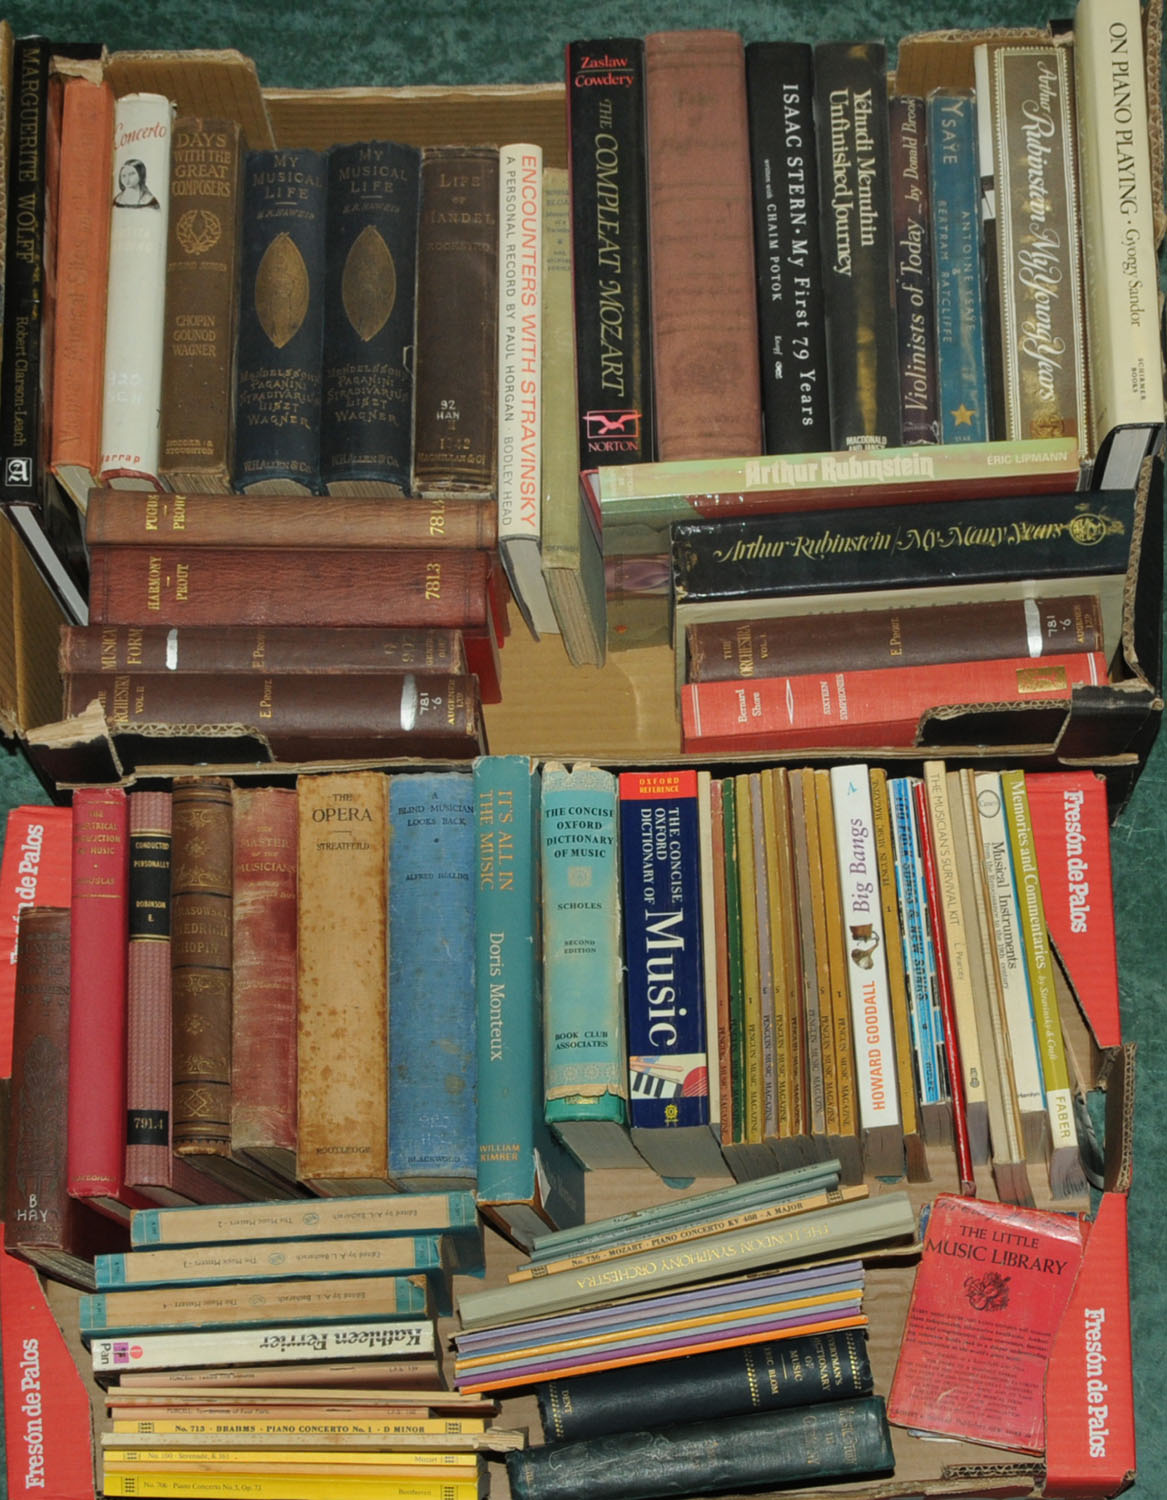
[(97, 1011), (270, 586), (881, 706), (990, 1292), (36, 869), (263, 1017), (1071, 831)]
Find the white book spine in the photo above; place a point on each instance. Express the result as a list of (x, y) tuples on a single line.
[(136, 301), (317, 1341), (866, 953)]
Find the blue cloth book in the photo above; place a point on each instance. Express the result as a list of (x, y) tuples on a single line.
[(432, 1049), (527, 1182)]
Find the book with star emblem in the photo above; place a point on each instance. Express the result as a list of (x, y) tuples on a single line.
[(202, 276), (990, 1290)]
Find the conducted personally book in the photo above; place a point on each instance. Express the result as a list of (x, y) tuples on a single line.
[(433, 1049), (281, 323), (610, 272), (202, 304), (136, 300), (787, 251), (310, 1342), (381, 715), (275, 1259), (527, 1182), (1118, 238), (798, 1371), (585, 1074), (880, 706), (455, 438), (78, 350), (850, 84), (903, 635), (914, 291), (991, 1287), (668, 1049), (326, 1218), (838, 1441), (701, 246)]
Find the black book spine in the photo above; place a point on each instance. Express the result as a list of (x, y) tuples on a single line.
[(369, 292), (838, 1440), (281, 322), (939, 542), (915, 308), (787, 247), (855, 205), (724, 1383), (609, 217)]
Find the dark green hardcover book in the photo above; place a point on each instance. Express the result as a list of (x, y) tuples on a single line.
[(840, 1440), (855, 205), (699, 1387), (366, 431), (281, 323)]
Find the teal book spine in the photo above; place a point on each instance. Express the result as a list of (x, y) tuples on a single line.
[(586, 1072), (271, 1260), (954, 184), (527, 1182), (432, 1050), (305, 1219)]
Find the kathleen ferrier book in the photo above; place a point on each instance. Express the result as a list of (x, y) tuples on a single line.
[(990, 1291)]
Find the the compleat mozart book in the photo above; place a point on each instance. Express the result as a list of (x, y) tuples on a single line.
[(701, 237), (455, 370), (609, 209), (202, 300), (281, 323), (366, 424)]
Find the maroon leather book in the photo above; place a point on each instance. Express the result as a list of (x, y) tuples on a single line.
[(263, 1021), (423, 586), (43, 1224), (704, 302)]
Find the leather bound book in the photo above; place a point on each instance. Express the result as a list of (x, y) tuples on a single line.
[(281, 323), (270, 586), (42, 1224), (366, 427), (263, 1014), (455, 399), (704, 306), (82, 268), (202, 290)]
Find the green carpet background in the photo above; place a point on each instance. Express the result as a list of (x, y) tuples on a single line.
[(349, 42)]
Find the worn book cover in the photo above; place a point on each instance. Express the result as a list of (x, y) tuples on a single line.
[(990, 1291)]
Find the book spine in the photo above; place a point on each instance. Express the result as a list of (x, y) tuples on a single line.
[(263, 950), (839, 1042), (148, 1008), (762, 1448), (97, 1012), (233, 650), (159, 1351), (787, 249), (954, 188), (924, 635), (456, 391), (704, 303), (432, 1041), (281, 322), (881, 706), (200, 956), (342, 1038), (609, 214), (915, 305), (1046, 536), (585, 1062), (755, 1377), (416, 587), (82, 273), (370, 257), (202, 291), (855, 196), (424, 714), (271, 1260), (136, 299), (668, 1058), (178, 1486)]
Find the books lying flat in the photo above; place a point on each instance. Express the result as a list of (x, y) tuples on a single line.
[(273, 1260), (313, 1218), (160, 1351), (287, 1487)]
